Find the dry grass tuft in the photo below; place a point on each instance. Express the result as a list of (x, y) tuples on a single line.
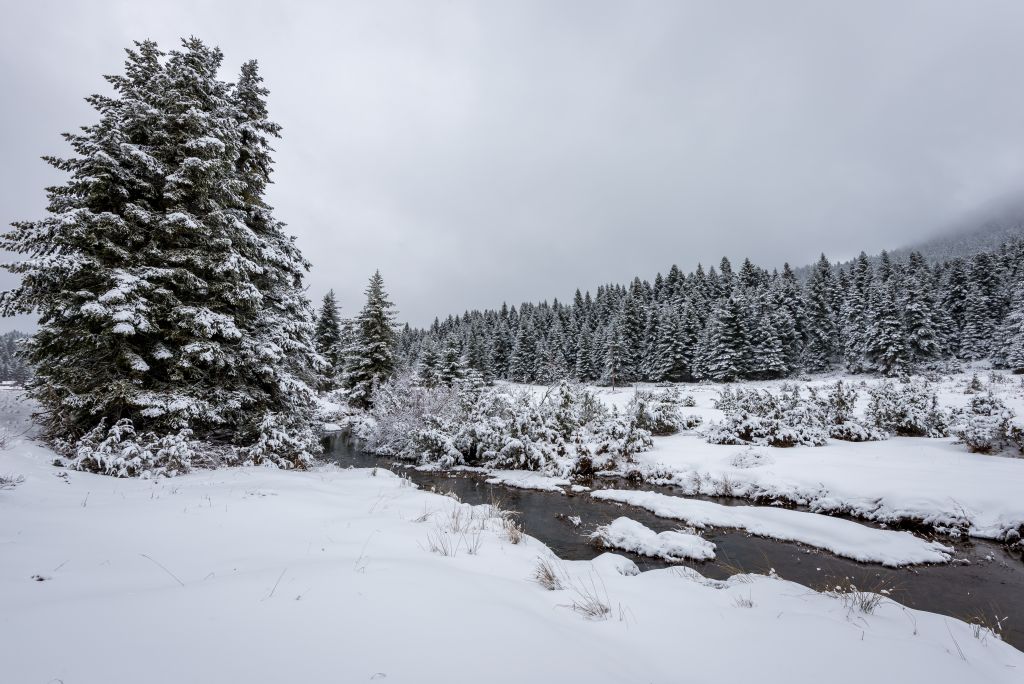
[(743, 601), (442, 543), (865, 601), (513, 531), (546, 574), (591, 602)]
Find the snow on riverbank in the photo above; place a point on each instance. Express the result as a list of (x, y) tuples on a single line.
[(629, 535), (261, 575), (932, 481), (841, 537), (936, 482)]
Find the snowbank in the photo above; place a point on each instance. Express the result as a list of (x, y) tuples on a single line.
[(261, 575), (629, 535), (841, 537), (527, 479)]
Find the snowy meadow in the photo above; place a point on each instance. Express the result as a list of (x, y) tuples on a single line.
[(787, 475), (338, 568)]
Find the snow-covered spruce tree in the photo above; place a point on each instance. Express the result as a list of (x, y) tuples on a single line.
[(821, 332), (452, 367), (501, 347), (856, 315), (1011, 334), (327, 337), (886, 349), (170, 299), (918, 305), (428, 367), (524, 364), (371, 358), (726, 349), (583, 367), (672, 355), (614, 355)]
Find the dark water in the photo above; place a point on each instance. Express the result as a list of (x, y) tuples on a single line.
[(981, 589)]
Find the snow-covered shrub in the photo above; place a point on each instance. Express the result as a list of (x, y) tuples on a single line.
[(690, 421), (10, 481), (688, 401), (120, 451), (401, 407), (759, 417), (280, 443), (974, 386), (619, 437), (656, 412), (500, 427), (837, 404), (986, 426), (907, 409)]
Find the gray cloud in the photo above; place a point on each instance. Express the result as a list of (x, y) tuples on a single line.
[(480, 152)]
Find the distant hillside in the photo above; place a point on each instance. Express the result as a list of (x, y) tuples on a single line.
[(971, 237), (987, 237)]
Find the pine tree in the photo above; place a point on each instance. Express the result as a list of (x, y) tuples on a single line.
[(370, 360), (672, 358), (428, 367), (501, 349), (583, 369), (980, 319), (820, 332), (327, 336), (856, 313), (452, 367), (1010, 353), (615, 354), (724, 354), (168, 295), (954, 304), (523, 366), (922, 337), (478, 353), (767, 346), (887, 346), (632, 322)]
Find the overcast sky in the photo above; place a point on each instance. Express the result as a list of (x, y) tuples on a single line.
[(483, 152)]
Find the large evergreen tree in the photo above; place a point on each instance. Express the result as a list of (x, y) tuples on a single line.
[(168, 294)]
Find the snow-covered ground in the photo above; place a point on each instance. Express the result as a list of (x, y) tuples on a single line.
[(261, 575), (932, 481)]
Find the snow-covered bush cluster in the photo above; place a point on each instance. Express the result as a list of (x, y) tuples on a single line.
[(121, 451), (907, 409), (837, 405), (986, 426), (789, 418), (565, 429), (10, 481), (760, 417), (658, 412)]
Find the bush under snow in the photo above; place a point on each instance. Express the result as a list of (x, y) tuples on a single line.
[(567, 428), (908, 409), (987, 426), (789, 418)]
